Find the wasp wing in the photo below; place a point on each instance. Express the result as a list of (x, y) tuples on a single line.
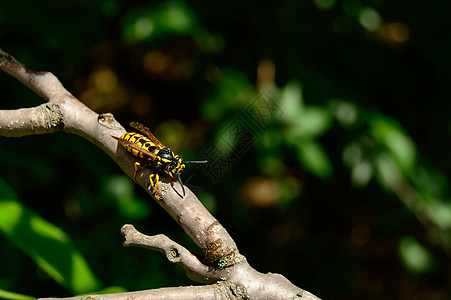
[(126, 144), (146, 131)]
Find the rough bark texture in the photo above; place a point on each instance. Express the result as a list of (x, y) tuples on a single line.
[(226, 272)]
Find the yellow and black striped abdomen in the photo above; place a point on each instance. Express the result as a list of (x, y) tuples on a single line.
[(140, 141)]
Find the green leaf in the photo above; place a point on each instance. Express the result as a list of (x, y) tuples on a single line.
[(362, 173), (146, 22), (302, 121), (389, 133), (291, 102), (168, 18), (346, 112), (370, 19), (439, 213), (312, 122), (415, 257), (14, 296), (46, 244), (388, 172), (313, 158)]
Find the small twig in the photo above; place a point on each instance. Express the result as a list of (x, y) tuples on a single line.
[(175, 253)]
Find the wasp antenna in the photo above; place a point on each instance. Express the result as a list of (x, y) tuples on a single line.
[(196, 162)]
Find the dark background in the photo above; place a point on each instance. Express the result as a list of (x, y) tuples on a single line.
[(336, 176)]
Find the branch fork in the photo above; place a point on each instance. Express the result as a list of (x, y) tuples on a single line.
[(223, 271)]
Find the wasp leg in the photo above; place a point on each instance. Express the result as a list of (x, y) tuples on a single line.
[(181, 183), (137, 164), (155, 185)]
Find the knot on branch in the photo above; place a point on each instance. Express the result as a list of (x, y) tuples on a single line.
[(216, 252), (42, 119), (108, 120), (218, 255), (51, 116), (173, 255), (226, 290)]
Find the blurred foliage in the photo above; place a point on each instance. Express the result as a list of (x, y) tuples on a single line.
[(14, 296), (325, 123), (45, 243)]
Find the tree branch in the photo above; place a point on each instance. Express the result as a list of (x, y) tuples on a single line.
[(172, 293), (222, 260), (175, 253)]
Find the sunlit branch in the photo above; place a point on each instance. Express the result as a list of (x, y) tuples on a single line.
[(222, 260), (183, 292)]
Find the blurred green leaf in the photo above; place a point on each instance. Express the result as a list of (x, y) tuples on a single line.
[(46, 244), (347, 113), (388, 172), (149, 21), (291, 102), (362, 173), (302, 124), (439, 213), (389, 133), (167, 18), (312, 122), (14, 296), (414, 256), (313, 158), (176, 16), (302, 121), (362, 168), (352, 154), (369, 18)]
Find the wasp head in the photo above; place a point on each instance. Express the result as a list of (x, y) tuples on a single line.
[(176, 166)]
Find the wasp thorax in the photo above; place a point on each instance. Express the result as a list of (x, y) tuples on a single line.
[(166, 154)]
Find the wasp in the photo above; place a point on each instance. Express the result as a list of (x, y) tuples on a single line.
[(155, 155)]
